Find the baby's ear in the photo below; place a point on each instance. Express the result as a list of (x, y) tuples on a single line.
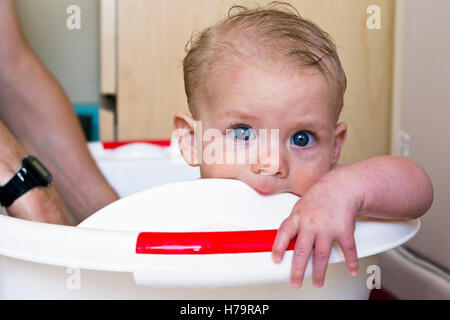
[(340, 133), (184, 133)]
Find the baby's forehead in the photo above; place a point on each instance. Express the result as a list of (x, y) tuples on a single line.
[(270, 34), (266, 89), (233, 67)]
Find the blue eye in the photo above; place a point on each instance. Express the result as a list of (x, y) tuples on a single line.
[(242, 133), (302, 139)]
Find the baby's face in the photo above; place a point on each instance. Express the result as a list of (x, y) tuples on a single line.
[(247, 98)]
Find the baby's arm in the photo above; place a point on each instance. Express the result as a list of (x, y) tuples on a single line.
[(392, 187), (384, 187)]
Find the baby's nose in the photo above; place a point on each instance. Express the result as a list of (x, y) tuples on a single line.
[(271, 159), (273, 167)]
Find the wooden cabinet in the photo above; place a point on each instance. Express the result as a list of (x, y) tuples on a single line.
[(143, 66)]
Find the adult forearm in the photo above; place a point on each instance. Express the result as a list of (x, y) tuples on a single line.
[(37, 111), (391, 187), (12, 43), (41, 204), (11, 154)]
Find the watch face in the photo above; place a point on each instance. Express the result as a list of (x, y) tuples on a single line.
[(38, 170)]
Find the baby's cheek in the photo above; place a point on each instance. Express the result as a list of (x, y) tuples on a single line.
[(305, 177), (217, 171)]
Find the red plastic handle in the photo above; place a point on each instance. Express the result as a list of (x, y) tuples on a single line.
[(206, 242), (116, 144)]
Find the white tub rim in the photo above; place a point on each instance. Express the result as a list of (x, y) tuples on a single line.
[(114, 250)]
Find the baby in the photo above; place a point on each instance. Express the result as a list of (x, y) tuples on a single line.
[(269, 69)]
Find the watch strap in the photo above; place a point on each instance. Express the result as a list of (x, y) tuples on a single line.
[(17, 186)]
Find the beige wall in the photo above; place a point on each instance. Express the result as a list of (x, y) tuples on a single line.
[(423, 111), (151, 40), (71, 55)]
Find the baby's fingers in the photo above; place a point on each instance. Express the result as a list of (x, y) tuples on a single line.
[(322, 250), (348, 246), (300, 257), (288, 230)]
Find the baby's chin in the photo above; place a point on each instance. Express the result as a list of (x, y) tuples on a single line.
[(265, 186), (265, 191), (269, 186)]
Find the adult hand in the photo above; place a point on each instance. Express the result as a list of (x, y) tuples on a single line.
[(41, 204)]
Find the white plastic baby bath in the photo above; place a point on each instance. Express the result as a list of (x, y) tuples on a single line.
[(119, 259)]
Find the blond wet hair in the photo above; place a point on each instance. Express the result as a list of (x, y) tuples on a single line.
[(275, 31)]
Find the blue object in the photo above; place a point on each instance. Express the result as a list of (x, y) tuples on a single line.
[(89, 115)]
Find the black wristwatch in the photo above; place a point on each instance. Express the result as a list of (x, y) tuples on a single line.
[(32, 174)]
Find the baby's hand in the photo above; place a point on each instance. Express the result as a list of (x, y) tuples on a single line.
[(326, 212)]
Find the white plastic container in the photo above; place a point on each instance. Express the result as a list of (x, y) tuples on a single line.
[(98, 259)]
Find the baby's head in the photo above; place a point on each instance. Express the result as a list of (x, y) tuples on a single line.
[(263, 69)]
